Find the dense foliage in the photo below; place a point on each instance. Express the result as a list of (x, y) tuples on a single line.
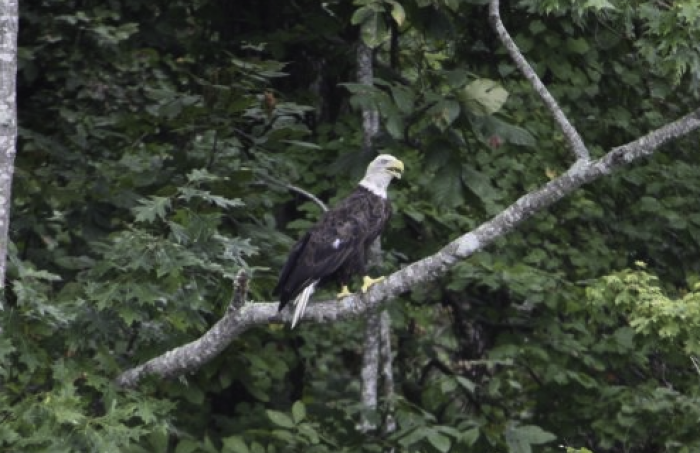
[(157, 143)]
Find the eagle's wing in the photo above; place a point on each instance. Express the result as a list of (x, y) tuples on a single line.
[(321, 252)]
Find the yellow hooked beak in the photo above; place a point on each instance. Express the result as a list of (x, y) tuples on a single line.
[(395, 168)]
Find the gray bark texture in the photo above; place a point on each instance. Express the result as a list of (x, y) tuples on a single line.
[(375, 337), (9, 25), (187, 358), (570, 133), (386, 360)]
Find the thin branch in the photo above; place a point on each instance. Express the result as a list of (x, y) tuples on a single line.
[(240, 291), (235, 322), (695, 363), (300, 191), (307, 194), (575, 142)]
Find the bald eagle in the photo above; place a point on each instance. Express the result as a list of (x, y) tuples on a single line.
[(336, 247)]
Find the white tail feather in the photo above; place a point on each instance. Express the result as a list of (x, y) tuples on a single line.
[(301, 300)]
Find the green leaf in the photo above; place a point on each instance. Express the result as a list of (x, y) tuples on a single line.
[(395, 126), (466, 384), (397, 12), (535, 435), (536, 27), (404, 98), (448, 385), (202, 175), (151, 209), (579, 46), (373, 29), (187, 446), (280, 419), (75, 262), (298, 412), (28, 272), (194, 395), (6, 349), (487, 127), (444, 113), (68, 415), (234, 444), (187, 193), (441, 442), (447, 188), (480, 184), (414, 435), (8, 435), (483, 96), (361, 88), (309, 432), (256, 448), (361, 15), (470, 436), (625, 338), (521, 438), (598, 5)]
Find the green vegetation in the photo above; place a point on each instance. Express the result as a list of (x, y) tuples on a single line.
[(156, 139)]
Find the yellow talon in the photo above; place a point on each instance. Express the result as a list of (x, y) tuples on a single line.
[(367, 282), (344, 292)]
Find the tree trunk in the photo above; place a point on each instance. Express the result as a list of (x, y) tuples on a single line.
[(9, 24), (377, 327)]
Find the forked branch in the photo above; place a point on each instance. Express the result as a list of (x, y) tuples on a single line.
[(572, 136), (193, 355), (238, 320)]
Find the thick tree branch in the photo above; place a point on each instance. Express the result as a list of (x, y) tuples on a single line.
[(575, 142), (193, 355)]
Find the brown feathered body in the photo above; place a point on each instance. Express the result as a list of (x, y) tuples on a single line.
[(337, 247)]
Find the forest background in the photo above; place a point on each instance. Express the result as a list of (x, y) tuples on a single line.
[(161, 148)]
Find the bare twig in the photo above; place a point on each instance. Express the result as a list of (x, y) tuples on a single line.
[(695, 363), (308, 195), (575, 142), (240, 290), (300, 191)]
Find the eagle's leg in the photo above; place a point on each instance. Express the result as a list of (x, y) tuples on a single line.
[(368, 281), (344, 292)]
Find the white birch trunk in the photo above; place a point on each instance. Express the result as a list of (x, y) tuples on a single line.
[(9, 24)]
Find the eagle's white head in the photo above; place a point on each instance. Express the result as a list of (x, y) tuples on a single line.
[(380, 172)]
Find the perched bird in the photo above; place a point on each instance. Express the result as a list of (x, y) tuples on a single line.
[(336, 247)]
